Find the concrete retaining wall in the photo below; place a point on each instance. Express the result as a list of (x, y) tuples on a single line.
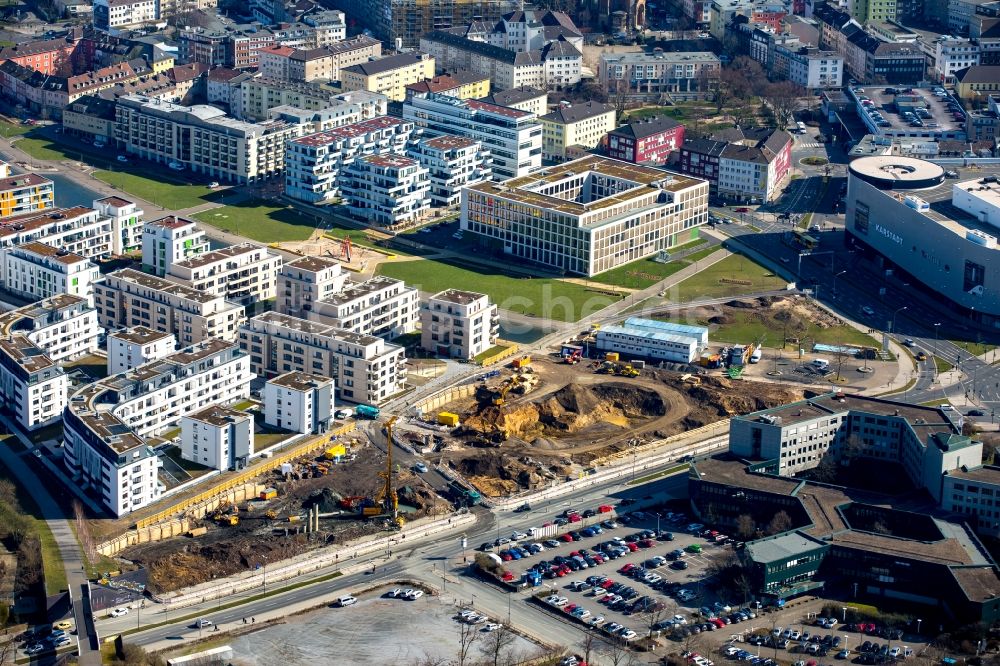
[(445, 397)]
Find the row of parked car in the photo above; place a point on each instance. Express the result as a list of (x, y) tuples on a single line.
[(583, 615), (53, 641)]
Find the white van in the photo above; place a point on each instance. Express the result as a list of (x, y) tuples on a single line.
[(820, 363), (346, 601)]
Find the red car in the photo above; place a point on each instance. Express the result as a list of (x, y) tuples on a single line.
[(606, 584), (604, 508), (508, 576), (646, 543), (598, 558), (569, 608), (574, 518), (506, 556), (742, 210), (567, 538), (632, 547), (628, 567)]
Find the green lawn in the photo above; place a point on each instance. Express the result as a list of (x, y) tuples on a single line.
[(538, 297), (639, 274), (169, 195), (43, 149), (732, 276), (8, 129), (942, 365), (747, 328), (976, 348), (261, 221), (700, 254)]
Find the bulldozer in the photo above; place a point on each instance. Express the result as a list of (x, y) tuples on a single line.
[(626, 371)]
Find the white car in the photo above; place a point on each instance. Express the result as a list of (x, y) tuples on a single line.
[(118, 612), (392, 594), (491, 626), (517, 536), (406, 593), (214, 184), (596, 620), (628, 634), (414, 595), (202, 622), (560, 602), (680, 619)]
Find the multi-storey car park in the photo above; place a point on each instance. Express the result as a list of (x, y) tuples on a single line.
[(586, 216), (884, 111)]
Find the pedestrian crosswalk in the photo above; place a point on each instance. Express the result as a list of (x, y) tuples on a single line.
[(810, 145)]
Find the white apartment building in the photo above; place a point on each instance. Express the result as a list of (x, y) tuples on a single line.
[(63, 327), (452, 162), (458, 324), (129, 298), (37, 270), (810, 68), (169, 240), (217, 437), (951, 55), (381, 306), (583, 126), (329, 26), (299, 402), (201, 138), (126, 224), (366, 369), (684, 75), (259, 94), (131, 347), (513, 137), (586, 216), (314, 163), (387, 189), (32, 387), (245, 273), (113, 15), (106, 423), (304, 281), (82, 231)]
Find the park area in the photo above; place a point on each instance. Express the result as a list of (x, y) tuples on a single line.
[(647, 272), (166, 194), (548, 298), (260, 221), (732, 276)]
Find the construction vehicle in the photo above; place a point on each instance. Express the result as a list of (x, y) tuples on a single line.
[(572, 354), (367, 412), (462, 494), (611, 357), (501, 395), (525, 384), (386, 497), (606, 368), (626, 370), (522, 362)]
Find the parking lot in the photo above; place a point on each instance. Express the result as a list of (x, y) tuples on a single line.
[(635, 574)]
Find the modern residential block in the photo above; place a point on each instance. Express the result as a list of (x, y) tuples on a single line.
[(513, 137), (586, 216), (380, 306), (36, 271), (126, 224), (325, 62), (304, 281), (25, 193), (83, 231), (129, 348), (459, 83), (387, 189), (458, 324), (453, 162), (244, 273), (217, 437), (108, 422), (32, 386), (169, 240), (299, 402), (63, 327), (366, 369), (132, 298)]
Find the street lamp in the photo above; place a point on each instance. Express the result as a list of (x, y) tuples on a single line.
[(835, 282), (892, 326), (936, 338), (918, 624)]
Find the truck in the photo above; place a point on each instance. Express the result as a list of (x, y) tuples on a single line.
[(367, 411), (344, 413), (462, 494), (755, 356)]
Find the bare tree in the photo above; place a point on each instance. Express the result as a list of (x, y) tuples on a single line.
[(784, 98), (498, 643), (589, 643), (840, 355), (745, 526), (468, 634), (8, 649), (781, 522), (83, 530), (619, 96), (617, 654)]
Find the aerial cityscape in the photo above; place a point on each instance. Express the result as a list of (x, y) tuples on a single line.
[(485, 332)]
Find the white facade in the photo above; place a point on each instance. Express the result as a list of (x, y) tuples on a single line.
[(244, 273), (980, 199), (647, 344), (513, 137), (974, 492), (387, 189), (82, 231), (126, 224), (131, 347), (36, 270), (366, 369), (811, 69), (951, 55), (586, 216), (33, 388), (314, 164), (299, 402), (64, 327), (128, 298), (201, 138), (217, 437), (107, 422), (110, 15), (458, 324), (304, 281), (453, 162), (380, 306), (169, 240)]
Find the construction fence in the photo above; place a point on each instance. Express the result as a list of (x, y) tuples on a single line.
[(262, 467), (512, 348), (443, 398)]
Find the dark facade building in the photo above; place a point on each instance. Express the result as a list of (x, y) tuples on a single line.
[(646, 141)]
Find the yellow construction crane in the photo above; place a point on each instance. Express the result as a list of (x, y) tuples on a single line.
[(386, 497)]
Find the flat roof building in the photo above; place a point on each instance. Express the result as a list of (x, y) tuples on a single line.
[(218, 437), (36, 270), (25, 193), (458, 324), (129, 348), (244, 273), (599, 213), (299, 402)]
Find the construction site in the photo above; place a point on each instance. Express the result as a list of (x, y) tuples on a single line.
[(547, 419), (344, 491)]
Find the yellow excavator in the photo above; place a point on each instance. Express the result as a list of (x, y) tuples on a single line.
[(501, 395)]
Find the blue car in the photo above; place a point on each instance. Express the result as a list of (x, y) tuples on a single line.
[(587, 532), (513, 553)]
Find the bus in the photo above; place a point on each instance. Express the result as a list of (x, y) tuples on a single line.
[(800, 240)]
